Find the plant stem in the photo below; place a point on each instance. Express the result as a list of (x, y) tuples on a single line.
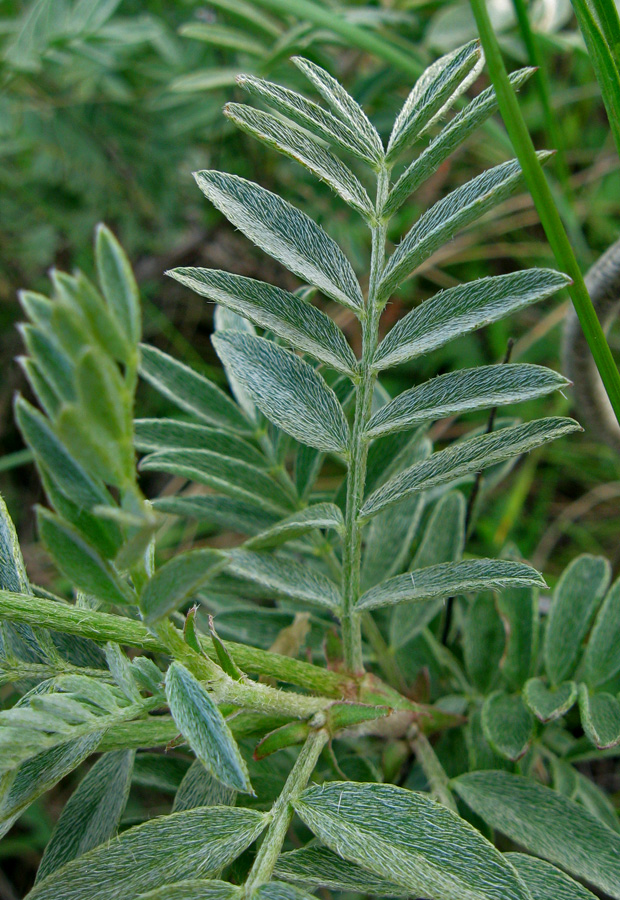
[(358, 453), (436, 776), (547, 210), (282, 810)]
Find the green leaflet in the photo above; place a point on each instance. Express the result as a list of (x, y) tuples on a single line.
[(277, 890), (226, 512), (18, 789), (93, 812), (602, 654), (54, 364), (79, 561), (600, 717), (190, 844), (292, 142), (409, 839), (228, 476), (118, 284), (518, 608), (294, 320), (576, 598), (285, 233), (190, 391), (193, 890), (545, 882), (174, 583), (349, 112), (443, 541), (446, 217), (319, 515), (13, 575), (484, 642), (318, 866), (199, 788), (224, 37), (451, 136), (312, 116), (152, 435), (435, 90), (546, 823), (507, 723), (286, 577), (459, 310), (467, 457), (286, 389), (463, 391), (549, 703), (205, 729)]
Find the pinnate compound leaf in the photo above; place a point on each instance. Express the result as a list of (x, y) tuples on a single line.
[(200, 788), (190, 844), (459, 310), (467, 457), (291, 318), (576, 599), (508, 724), (602, 655), (93, 812), (317, 866), (434, 90), (190, 391), (442, 221), (194, 890), (545, 882), (205, 729), (345, 107), (319, 515), (545, 823), (600, 717), (549, 703), (79, 561), (286, 389), (463, 391), (294, 143), (312, 116), (449, 579), (285, 233), (118, 284), (286, 577), (152, 435), (408, 839), (177, 580)]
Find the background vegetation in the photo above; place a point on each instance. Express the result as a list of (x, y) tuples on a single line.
[(108, 106)]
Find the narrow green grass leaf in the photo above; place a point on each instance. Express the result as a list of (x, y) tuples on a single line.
[(602, 654), (313, 117), (545, 882), (448, 216), (93, 812), (545, 823), (198, 842), (224, 37), (294, 143), (471, 455), (344, 106), (318, 866), (79, 561), (600, 717), (319, 515), (152, 435), (409, 839), (460, 310), (190, 391), (285, 233), (174, 583), (549, 703), (118, 284), (200, 788), (576, 599), (434, 91), (463, 391), (508, 725), (291, 318), (286, 389), (449, 579), (205, 729), (286, 577)]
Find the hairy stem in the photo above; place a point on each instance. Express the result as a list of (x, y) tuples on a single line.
[(358, 452), (282, 810)]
